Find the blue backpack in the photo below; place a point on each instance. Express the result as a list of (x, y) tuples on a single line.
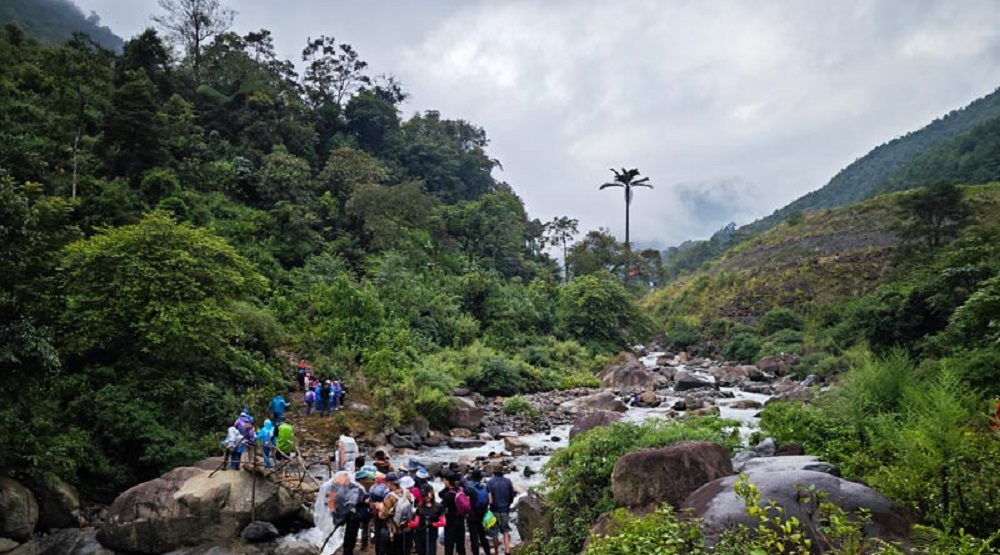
[(481, 501)]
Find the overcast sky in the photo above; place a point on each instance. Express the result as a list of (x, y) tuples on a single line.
[(732, 109)]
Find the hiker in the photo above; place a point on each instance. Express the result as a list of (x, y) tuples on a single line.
[(479, 495), (346, 501), (309, 399), (278, 406), (454, 527), (347, 451), (501, 500), (382, 462), (422, 477), (286, 441), (430, 519), (376, 495), (407, 483), (233, 443), (324, 398), (366, 478), (335, 395), (300, 374), (396, 511), (266, 437)]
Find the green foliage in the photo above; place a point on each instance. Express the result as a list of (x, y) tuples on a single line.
[(597, 310), (579, 477), (521, 406), (933, 214), (780, 319), (743, 347), (658, 532)]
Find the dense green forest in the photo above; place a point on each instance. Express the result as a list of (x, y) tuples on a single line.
[(55, 21), (170, 223)]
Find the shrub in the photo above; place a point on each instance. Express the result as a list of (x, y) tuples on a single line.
[(780, 319), (743, 347), (682, 335), (521, 406), (658, 532), (783, 341)]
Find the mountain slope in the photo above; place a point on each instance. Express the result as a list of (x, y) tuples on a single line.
[(55, 21), (825, 258), (865, 177)]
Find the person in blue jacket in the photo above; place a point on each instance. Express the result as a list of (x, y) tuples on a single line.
[(266, 436), (278, 406)]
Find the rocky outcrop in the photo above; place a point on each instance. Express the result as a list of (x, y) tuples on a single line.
[(630, 374), (719, 508), (530, 510), (67, 541), (669, 474), (593, 420), (187, 506), (18, 510), (605, 400), (58, 505), (259, 531), (466, 414)]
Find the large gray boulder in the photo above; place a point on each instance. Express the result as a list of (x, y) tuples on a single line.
[(58, 505), (594, 420), (188, 506), (669, 474), (466, 414), (630, 373), (719, 508), (686, 379), (18, 510), (604, 400)]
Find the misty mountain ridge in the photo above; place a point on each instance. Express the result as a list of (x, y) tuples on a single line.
[(55, 21)]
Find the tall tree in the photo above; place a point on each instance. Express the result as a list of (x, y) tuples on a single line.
[(191, 23), (561, 231), (626, 179), (335, 71), (933, 214)]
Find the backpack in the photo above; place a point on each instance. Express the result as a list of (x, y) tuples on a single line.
[(310, 396), (482, 500), (343, 502), (403, 511), (233, 438), (462, 504)]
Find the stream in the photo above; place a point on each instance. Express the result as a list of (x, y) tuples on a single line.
[(556, 438)]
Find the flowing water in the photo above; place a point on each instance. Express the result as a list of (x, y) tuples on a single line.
[(556, 438)]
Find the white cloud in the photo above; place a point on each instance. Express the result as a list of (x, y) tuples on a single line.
[(733, 108)]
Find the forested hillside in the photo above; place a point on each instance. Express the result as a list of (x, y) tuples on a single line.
[(863, 179), (170, 223), (55, 21)]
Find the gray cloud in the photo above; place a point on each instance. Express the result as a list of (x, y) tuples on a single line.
[(731, 108)]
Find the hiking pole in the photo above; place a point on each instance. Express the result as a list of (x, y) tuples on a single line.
[(332, 532)]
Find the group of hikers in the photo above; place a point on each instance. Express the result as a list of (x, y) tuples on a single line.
[(399, 510), (325, 395), (279, 441)]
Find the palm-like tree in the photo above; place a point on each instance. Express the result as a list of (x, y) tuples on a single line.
[(627, 179)]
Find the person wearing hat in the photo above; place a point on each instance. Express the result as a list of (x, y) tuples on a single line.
[(407, 483), (394, 536), (422, 477), (366, 478), (382, 462), (358, 520), (411, 466)]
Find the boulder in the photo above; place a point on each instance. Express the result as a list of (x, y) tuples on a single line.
[(766, 448), (259, 531), (649, 399), (719, 508), (7, 544), (811, 380), (515, 445), (530, 511), (58, 505), (790, 449), (464, 443), (605, 400), (66, 541), (18, 511), (705, 411), (769, 365), (435, 438), (296, 547), (730, 376), (466, 414), (686, 379), (746, 404), (594, 420), (400, 441), (187, 506), (461, 432), (629, 374), (741, 458), (669, 474)]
